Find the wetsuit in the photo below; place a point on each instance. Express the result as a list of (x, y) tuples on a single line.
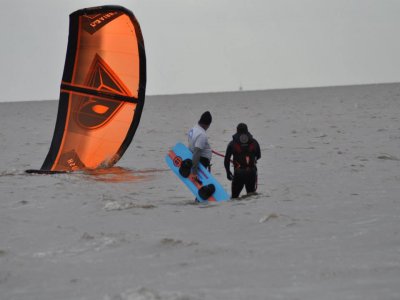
[(245, 151)]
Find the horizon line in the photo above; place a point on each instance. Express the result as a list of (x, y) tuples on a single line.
[(232, 91)]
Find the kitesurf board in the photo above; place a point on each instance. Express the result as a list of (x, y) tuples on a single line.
[(178, 154)]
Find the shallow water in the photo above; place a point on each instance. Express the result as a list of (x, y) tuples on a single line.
[(324, 224)]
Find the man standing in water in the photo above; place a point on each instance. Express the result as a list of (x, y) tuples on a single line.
[(245, 151), (198, 143)]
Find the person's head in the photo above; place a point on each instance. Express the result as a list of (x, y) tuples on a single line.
[(242, 128), (205, 120)]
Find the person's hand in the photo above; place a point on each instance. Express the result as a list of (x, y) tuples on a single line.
[(229, 175)]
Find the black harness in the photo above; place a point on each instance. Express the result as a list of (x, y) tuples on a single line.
[(244, 152)]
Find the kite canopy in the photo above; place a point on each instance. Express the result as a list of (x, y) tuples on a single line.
[(102, 90)]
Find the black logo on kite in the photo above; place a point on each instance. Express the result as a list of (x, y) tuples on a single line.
[(93, 23), (94, 112)]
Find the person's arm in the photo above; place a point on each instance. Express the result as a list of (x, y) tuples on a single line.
[(227, 161), (258, 150), (199, 144), (195, 160)]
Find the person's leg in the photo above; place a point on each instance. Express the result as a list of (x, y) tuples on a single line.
[(251, 180), (206, 163), (237, 183)]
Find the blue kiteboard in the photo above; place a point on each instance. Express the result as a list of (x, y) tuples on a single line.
[(206, 188)]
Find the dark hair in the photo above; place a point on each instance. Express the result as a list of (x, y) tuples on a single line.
[(205, 118), (242, 128)]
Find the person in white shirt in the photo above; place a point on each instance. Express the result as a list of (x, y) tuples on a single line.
[(198, 143)]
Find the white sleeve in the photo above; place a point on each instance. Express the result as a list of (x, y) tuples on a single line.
[(201, 141)]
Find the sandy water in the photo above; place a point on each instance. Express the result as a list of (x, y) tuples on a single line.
[(325, 224)]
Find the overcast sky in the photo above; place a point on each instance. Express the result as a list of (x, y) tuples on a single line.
[(197, 46)]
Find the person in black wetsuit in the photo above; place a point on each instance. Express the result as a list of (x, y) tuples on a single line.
[(245, 151)]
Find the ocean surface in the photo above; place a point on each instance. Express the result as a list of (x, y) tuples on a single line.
[(325, 223)]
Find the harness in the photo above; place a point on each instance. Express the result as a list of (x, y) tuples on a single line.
[(244, 149)]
